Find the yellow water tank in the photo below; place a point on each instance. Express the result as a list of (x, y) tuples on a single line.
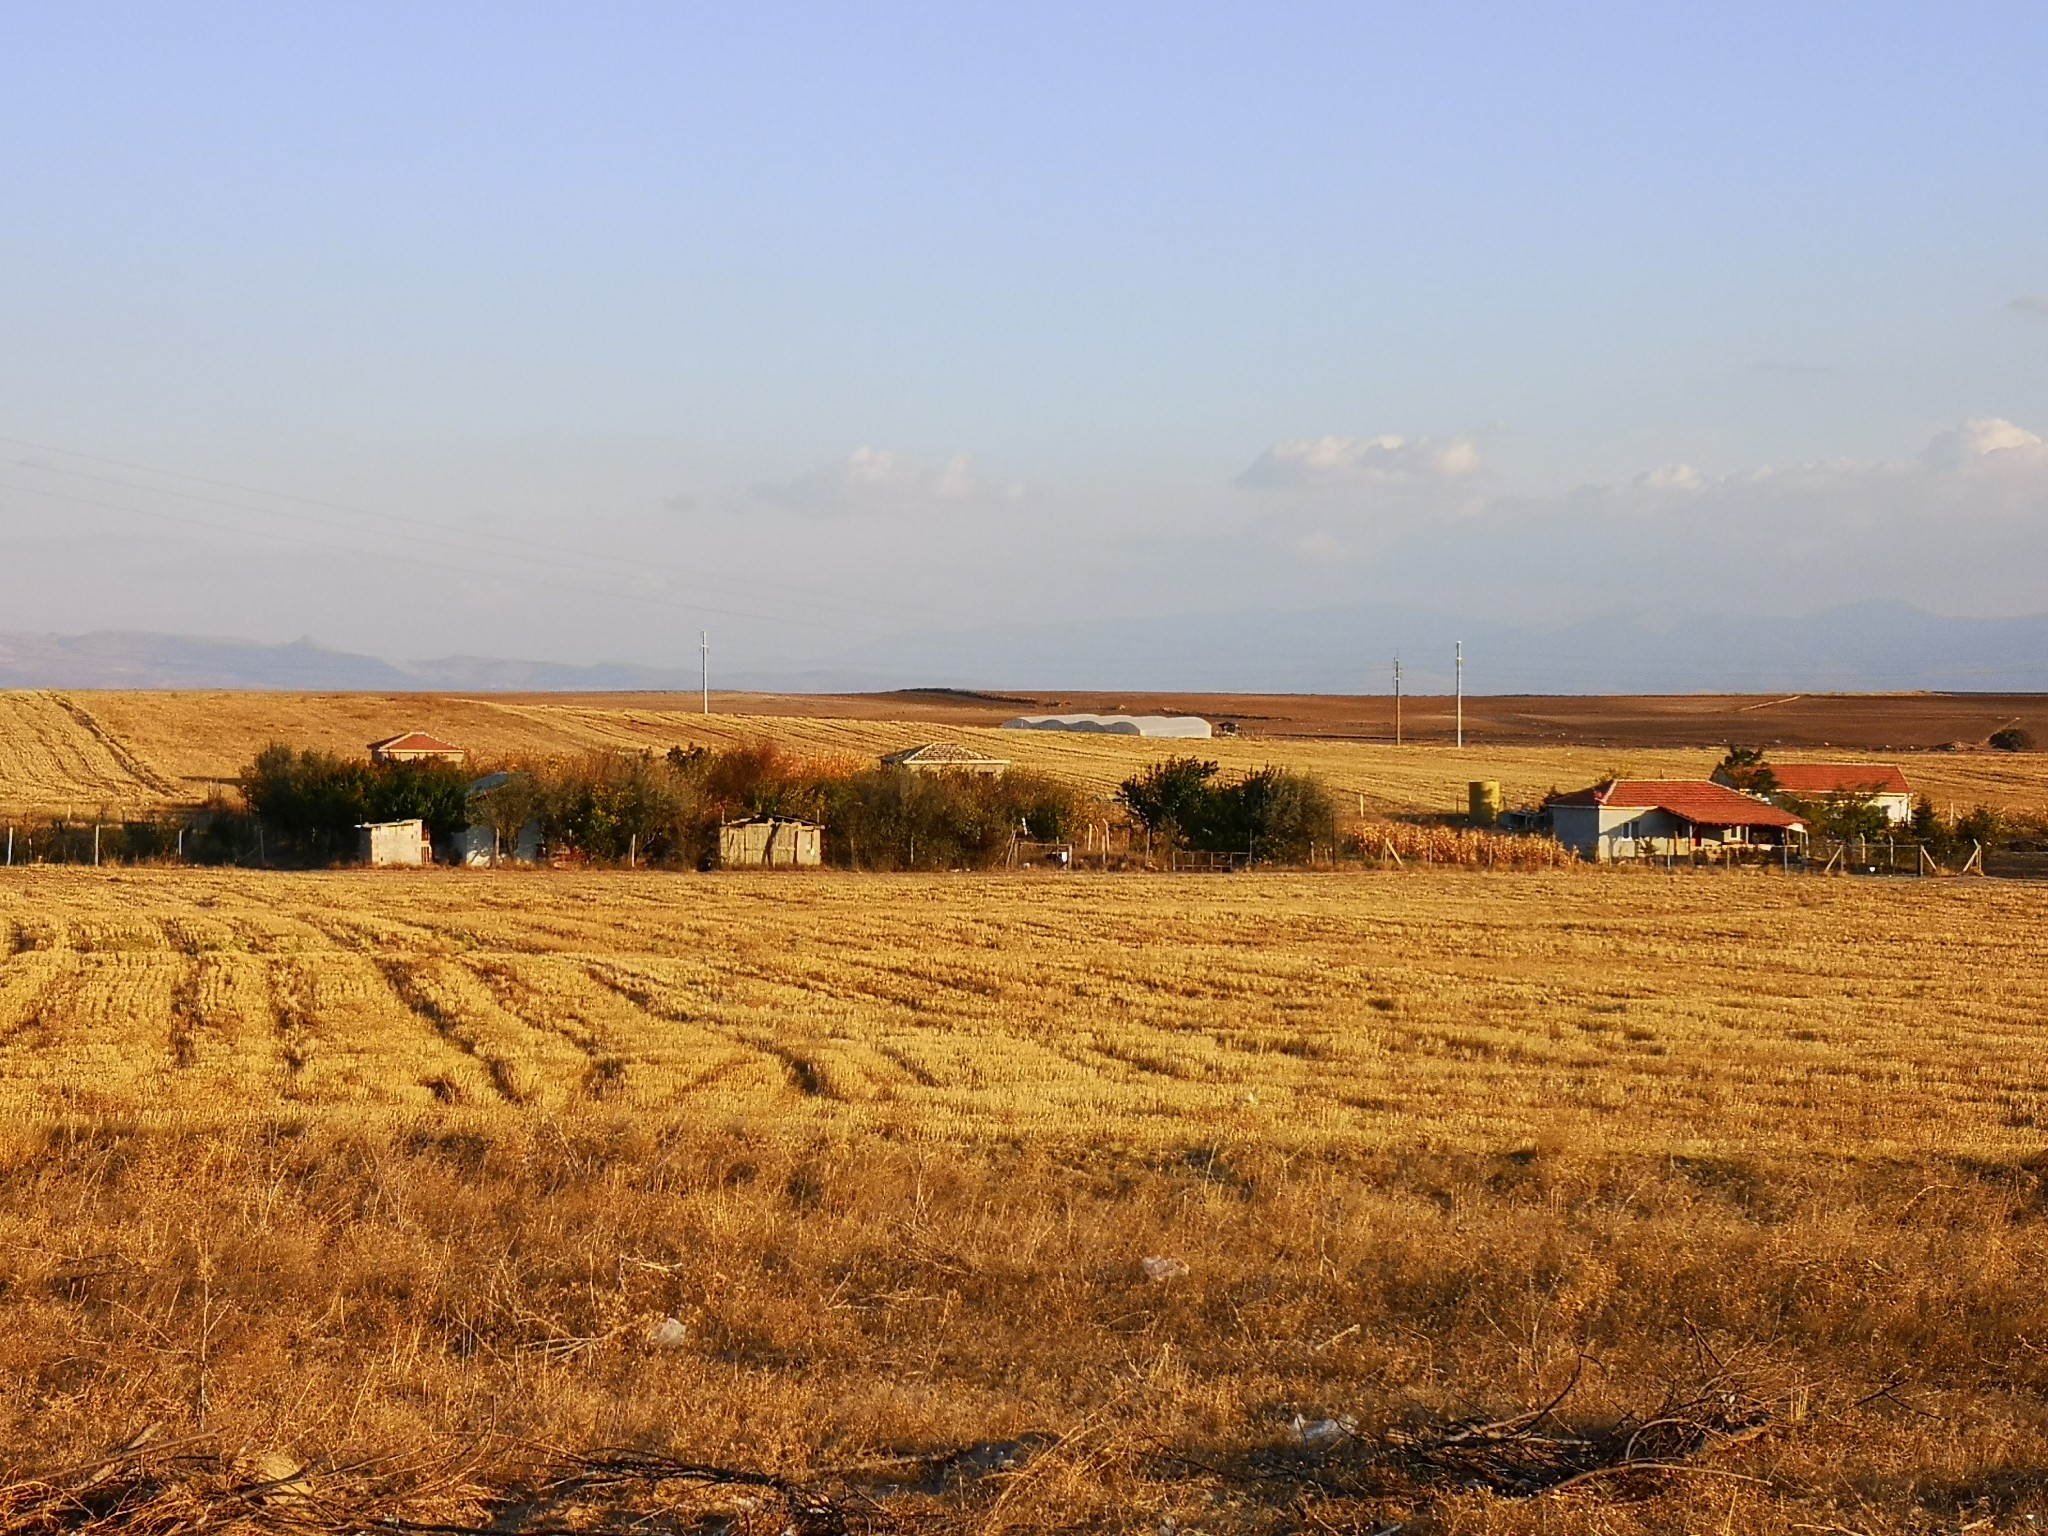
[(1483, 802)]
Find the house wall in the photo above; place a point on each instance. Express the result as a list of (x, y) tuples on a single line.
[(395, 845), (1606, 832), (478, 846)]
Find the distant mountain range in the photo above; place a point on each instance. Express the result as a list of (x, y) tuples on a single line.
[(136, 659), (1867, 647)]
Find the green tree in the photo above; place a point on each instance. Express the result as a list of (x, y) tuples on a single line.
[(1274, 813), (1840, 816), (1745, 769), (1172, 799), (1926, 823)]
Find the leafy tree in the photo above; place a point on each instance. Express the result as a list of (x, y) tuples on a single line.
[(893, 818), (1274, 813), (2012, 739), (1926, 824), (1979, 826), (1172, 799), (1841, 815), (312, 802), (1746, 770)]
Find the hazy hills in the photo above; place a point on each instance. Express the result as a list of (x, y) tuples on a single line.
[(1865, 647)]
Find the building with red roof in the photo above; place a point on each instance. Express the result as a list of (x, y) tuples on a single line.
[(1627, 818), (414, 747), (1881, 783)]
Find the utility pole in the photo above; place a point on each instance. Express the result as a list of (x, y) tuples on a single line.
[(704, 645), (1461, 693), (1397, 698)]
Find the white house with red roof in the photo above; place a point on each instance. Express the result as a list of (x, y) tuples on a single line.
[(1627, 818), (1881, 783)]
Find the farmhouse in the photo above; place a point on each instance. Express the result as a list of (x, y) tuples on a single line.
[(414, 747), (1880, 783), (394, 844), (1183, 727), (1628, 818), (945, 757), (769, 841)]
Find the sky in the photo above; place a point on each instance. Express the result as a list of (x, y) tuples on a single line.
[(566, 332)]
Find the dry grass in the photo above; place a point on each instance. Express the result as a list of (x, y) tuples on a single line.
[(139, 750), (395, 1177)]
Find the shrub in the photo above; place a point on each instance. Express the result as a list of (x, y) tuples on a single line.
[(1274, 813), (2012, 739), (1172, 800), (1840, 816), (892, 818), (312, 802), (609, 804)]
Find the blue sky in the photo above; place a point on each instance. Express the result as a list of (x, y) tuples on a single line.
[(935, 316)]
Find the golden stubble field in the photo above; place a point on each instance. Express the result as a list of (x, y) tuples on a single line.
[(116, 753), (384, 1191)]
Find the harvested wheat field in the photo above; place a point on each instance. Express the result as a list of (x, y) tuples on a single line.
[(1569, 1202), (87, 754)]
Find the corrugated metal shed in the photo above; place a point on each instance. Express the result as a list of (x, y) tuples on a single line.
[(770, 841)]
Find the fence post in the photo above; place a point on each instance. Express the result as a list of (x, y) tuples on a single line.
[(95, 845)]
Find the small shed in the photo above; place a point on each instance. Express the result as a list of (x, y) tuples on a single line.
[(394, 844), (1630, 818), (769, 841), (414, 747), (945, 757)]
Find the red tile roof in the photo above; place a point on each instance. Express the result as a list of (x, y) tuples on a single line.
[(413, 741), (1840, 779), (1693, 800)]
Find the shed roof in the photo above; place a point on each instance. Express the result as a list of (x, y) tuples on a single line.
[(1840, 779), (413, 741), (943, 754), (1693, 800)]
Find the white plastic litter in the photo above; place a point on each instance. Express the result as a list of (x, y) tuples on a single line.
[(1322, 1431), (1162, 1269), (669, 1333)]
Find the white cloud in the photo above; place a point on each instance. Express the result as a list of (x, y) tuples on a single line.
[(1340, 461), (1671, 477), (1961, 527), (1981, 439), (880, 480)]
